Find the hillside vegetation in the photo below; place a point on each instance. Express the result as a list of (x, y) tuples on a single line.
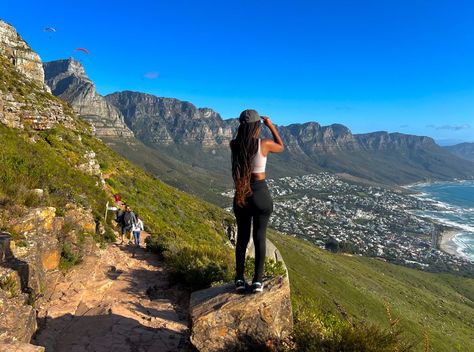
[(360, 289)]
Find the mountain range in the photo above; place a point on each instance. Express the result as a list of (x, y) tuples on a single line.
[(185, 137)]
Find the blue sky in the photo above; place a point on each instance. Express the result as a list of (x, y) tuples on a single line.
[(405, 66)]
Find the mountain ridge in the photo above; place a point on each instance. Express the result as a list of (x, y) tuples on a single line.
[(199, 137), (464, 150), (334, 148)]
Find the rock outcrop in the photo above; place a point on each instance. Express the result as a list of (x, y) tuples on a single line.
[(68, 80), (24, 98), (37, 249), (166, 121), (223, 320), (25, 60), (29, 258)]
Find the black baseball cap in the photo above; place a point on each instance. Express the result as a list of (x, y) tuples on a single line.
[(249, 116)]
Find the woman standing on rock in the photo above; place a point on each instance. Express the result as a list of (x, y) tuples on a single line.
[(252, 200)]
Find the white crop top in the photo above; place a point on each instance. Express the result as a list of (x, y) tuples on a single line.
[(259, 161)]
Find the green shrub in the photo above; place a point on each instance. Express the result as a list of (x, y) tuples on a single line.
[(69, 257), (9, 285), (109, 235), (111, 182), (196, 268), (271, 267), (22, 243), (320, 332), (157, 244)]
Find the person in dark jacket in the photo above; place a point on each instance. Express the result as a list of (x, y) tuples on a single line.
[(129, 219), (119, 219)]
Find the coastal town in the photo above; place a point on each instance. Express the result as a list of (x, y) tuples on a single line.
[(362, 220)]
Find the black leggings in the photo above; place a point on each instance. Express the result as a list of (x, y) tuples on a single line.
[(259, 208)]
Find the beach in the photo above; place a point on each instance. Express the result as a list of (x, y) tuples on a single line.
[(447, 243)]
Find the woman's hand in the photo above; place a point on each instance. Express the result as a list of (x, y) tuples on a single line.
[(275, 146), (267, 121)]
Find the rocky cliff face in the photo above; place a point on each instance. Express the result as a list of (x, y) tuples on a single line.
[(15, 49), (166, 121), (24, 99), (380, 141), (68, 80)]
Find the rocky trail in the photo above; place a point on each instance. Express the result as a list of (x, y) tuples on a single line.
[(117, 301)]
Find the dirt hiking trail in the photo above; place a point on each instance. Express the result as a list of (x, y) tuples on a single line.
[(117, 301)]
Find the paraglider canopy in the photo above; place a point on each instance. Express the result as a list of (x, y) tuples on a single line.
[(83, 50), (50, 29)]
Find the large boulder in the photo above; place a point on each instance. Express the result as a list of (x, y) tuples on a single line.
[(225, 320), (36, 249)]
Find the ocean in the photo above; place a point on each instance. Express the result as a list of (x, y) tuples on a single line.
[(455, 203)]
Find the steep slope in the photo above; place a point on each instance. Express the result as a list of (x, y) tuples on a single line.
[(438, 305), (171, 121), (67, 80), (463, 150)]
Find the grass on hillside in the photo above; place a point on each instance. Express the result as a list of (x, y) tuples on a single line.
[(359, 289)]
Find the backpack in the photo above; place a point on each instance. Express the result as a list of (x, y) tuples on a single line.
[(128, 218), (119, 217)]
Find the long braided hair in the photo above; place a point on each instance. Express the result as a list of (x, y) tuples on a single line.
[(243, 148)]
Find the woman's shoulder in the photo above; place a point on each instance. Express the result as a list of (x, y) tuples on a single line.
[(265, 141)]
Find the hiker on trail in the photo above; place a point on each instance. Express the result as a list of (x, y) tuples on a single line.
[(136, 228), (252, 200), (119, 218), (128, 220)]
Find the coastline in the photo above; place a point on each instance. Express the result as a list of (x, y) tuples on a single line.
[(449, 217), (447, 244)]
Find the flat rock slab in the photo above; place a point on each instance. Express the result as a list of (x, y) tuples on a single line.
[(225, 320)]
